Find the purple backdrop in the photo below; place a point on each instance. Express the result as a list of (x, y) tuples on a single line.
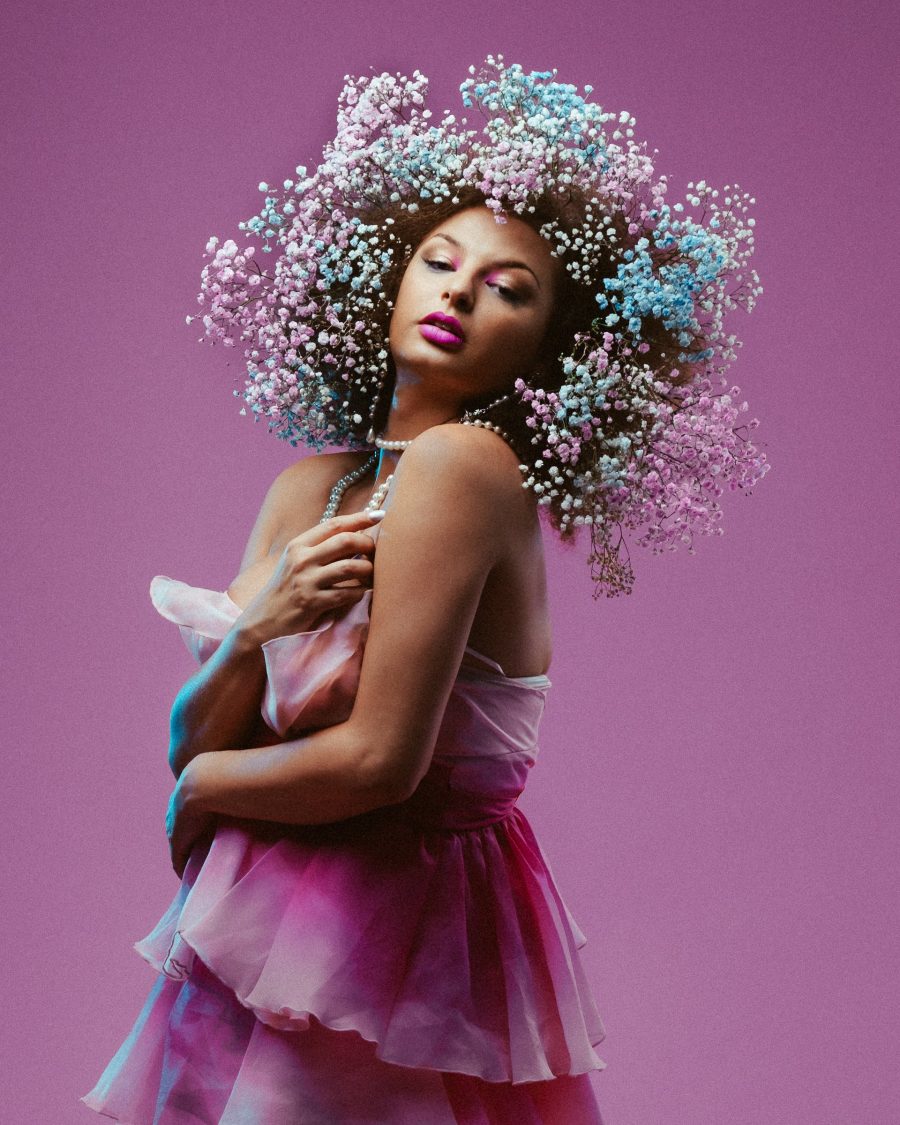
[(719, 753)]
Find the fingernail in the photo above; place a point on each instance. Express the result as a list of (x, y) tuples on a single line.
[(377, 514)]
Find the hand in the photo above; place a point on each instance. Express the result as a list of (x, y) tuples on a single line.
[(186, 823), (321, 571)]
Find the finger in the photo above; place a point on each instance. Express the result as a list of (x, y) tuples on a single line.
[(352, 521), (344, 545), (182, 849), (182, 841), (340, 597), (345, 570), (177, 850)]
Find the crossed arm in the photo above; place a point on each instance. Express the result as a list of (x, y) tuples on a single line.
[(299, 592), (442, 536)]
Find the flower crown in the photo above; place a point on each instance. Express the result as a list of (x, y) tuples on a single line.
[(632, 434)]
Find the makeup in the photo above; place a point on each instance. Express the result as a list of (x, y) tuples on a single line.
[(443, 329)]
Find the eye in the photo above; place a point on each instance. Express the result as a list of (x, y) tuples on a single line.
[(510, 295), (437, 264)]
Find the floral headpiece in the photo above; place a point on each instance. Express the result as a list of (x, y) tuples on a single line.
[(632, 434)]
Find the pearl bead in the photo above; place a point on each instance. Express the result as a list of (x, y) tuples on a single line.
[(485, 425), (396, 446), (377, 497), (337, 493), (383, 443)]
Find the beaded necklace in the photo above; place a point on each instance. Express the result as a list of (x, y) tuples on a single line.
[(337, 493), (377, 498)]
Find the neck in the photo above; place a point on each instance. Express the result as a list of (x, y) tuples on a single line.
[(413, 409)]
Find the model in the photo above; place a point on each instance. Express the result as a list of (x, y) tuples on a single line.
[(485, 324)]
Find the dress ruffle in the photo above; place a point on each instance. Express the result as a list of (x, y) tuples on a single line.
[(311, 677), (243, 1071), (203, 616), (448, 950)]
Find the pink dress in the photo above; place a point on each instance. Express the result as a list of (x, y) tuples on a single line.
[(415, 965)]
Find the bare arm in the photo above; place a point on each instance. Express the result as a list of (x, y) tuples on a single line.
[(218, 707), (455, 508)]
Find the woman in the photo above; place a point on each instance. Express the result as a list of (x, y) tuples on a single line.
[(367, 930)]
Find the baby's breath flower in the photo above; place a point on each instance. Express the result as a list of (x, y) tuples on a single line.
[(628, 441)]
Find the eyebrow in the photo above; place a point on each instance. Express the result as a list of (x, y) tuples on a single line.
[(507, 264)]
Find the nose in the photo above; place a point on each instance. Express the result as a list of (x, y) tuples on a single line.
[(459, 292)]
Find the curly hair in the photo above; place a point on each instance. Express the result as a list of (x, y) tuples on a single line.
[(575, 317)]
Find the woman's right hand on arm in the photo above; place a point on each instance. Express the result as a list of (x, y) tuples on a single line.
[(218, 708), (321, 571)]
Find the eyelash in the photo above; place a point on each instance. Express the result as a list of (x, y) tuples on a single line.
[(507, 294)]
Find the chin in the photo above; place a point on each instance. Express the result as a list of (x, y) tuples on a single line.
[(421, 356)]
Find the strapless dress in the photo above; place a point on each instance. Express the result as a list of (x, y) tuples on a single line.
[(415, 965)]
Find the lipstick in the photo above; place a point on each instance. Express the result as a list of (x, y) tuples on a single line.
[(442, 329)]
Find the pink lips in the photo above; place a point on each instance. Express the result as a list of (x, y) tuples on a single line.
[(442, 329)]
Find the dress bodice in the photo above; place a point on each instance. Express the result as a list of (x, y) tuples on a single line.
[(487, 740)]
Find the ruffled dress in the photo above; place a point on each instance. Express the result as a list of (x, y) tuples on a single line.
[(415, 965)]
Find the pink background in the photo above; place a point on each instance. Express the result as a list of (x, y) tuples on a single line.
[(716, 792)]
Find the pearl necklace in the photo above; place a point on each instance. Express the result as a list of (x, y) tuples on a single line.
[(485, 425), (337, 493), (378, 496), (392, 446), (336, 496)]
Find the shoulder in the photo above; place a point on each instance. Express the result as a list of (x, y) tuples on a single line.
[(307, 482), (295, 500), (469, 454), (315, 469), (463, 475)]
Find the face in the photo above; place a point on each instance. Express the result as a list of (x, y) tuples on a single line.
[(474, 305)]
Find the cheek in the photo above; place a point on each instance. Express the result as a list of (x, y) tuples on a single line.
[(526, 338)]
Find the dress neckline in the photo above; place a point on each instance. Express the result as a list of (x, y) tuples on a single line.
[(491, 666)]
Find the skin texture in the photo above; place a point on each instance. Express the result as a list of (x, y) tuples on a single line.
[(504, 311), (459, 560)]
